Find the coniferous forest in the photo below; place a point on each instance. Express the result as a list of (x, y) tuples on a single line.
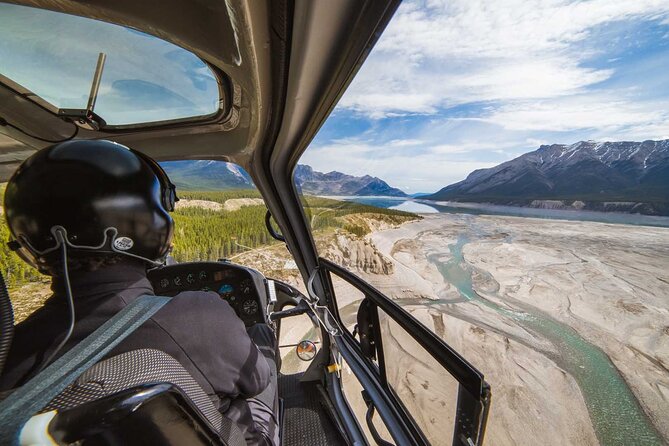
[(209, 234)]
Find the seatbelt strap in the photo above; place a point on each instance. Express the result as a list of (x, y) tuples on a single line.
[(27, 400)]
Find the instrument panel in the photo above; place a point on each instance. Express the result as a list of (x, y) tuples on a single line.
[(243, 288)]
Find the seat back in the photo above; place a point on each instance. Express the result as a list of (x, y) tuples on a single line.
[(142, 367), (151, 414)]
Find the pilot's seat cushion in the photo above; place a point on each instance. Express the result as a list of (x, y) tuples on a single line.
[(143, 366)]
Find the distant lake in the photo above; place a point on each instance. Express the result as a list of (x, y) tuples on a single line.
[(425, 207)]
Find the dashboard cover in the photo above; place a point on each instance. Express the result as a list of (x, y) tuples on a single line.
[(245, 289)]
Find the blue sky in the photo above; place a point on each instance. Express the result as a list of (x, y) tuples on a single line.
[(144, 78), (452, 85), (458, 85)]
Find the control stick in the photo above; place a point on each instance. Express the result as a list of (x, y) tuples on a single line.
[(300, 308)]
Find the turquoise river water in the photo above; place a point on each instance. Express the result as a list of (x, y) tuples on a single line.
[(614, 411)]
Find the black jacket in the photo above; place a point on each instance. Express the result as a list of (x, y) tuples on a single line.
[(198, 329)]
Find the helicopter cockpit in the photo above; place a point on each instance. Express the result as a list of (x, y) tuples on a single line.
[(242, 82)]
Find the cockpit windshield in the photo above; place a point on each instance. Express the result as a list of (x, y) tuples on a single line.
[(145, 79)]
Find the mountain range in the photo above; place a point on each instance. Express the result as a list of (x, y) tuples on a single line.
[(336, 183), (207, 175), (213, 175), (610, 176), (621, 176)]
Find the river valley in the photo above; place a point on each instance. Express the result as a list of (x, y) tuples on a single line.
[(585, 299)]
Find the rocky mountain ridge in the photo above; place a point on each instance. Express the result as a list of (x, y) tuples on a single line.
[(610, 176), (215, 175), (336, 183), (207, 175)]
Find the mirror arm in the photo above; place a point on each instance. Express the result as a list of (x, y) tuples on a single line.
[(270, 228)]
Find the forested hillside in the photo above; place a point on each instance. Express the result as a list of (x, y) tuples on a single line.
[(15, 270), (203, 234), (206, 234)]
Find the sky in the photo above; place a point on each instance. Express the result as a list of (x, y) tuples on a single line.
[(451, 86), (144, 78), (458, 85)]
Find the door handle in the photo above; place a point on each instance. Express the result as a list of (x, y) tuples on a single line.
[(370, 424)]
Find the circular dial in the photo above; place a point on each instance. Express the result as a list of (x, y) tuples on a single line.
[(246, 286), (249, 307)]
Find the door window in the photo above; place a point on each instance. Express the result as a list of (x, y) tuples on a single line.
[(427, 391), (348, 300), (434, 388)]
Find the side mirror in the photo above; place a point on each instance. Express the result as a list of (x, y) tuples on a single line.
[(306, 350)]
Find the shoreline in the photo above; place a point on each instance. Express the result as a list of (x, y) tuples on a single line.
[(480, 208), (554, 205)]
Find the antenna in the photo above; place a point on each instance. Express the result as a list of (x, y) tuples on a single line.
[(86, 118), (95, 86)]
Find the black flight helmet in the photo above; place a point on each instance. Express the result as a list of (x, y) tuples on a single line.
[(104, 197)]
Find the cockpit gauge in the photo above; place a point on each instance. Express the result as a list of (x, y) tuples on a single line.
[(233, 284), (226, 290), (246, 286), (249, 307)]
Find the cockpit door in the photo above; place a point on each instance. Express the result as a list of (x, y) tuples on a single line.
[(401, 381)]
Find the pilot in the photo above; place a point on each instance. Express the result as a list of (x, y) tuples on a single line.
[(113, 204)]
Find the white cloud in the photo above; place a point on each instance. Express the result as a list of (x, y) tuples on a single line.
[(405, 142), (427, 171), (536, 142), (494, 79), (449, 148), (382, 104), (581, 113), (480, 29), (472, 145), (460, 51)]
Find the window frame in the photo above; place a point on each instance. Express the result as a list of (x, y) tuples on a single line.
[(473, 400), (227, 94)]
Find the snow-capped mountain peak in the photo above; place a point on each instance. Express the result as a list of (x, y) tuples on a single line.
[(235, 170), (586, 170)]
